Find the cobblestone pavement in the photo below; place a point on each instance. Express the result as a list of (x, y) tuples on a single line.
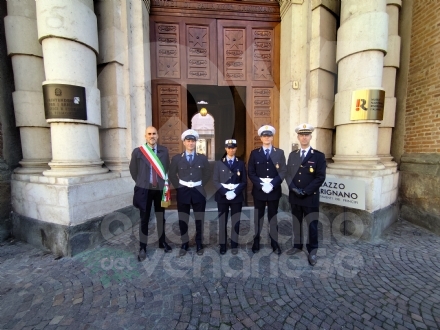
[(391, 283)]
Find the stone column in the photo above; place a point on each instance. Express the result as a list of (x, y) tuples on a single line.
[(391, 64), (27, 62), (68, 33), (323, 70), (362, 43), (111, 61)]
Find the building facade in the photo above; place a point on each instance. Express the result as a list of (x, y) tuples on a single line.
[(253, 62)]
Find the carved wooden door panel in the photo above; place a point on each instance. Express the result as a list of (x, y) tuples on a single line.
[(249, 56)]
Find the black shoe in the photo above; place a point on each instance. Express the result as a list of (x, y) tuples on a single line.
[(142, 255), (183, 249), (312, 259), (199, 249), (256, 246), (166, 248), (276, 248), (293, 251), (222, 248)]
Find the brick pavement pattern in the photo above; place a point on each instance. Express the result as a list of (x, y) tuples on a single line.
[(391, 283)]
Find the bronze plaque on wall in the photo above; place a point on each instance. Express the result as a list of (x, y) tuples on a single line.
[(64, 101), (367, 104)]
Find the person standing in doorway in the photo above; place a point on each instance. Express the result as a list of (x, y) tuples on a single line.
[(266, 170), (306, 169), (230, 181), (189, 173), (148, 168)]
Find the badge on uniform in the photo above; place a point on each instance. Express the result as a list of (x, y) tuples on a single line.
[(311, 170), (238, 172), (277, 166)]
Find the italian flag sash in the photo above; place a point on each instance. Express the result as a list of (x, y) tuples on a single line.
[(158, 167)]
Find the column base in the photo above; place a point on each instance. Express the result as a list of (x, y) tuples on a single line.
[(117, 165), (357, 163), (63, 170), (33, 166)]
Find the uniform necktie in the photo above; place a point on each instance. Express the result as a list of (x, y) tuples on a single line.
[(267, 154), (230, 163), (154, 174), (190, 159), (303, 155)]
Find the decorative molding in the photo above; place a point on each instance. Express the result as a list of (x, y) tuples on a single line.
[(266, 7), (147, 4)]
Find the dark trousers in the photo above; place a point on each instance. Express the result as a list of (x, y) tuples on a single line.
[(311, 216), (272, 211), (223, 212), (154, 196), (199, 214)]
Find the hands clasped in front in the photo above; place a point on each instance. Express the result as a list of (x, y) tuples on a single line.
[(267, 187)]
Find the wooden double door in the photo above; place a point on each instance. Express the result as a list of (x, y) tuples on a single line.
[(193, 55)]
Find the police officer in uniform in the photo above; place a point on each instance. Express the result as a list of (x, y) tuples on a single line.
[(305, 174), (189, 173), (266, 170), (230, 181)]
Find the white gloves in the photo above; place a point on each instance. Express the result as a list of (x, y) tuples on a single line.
[(230, 195), (267, 187)]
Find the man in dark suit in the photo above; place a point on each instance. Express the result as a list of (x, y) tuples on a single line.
[(149, 187), (305, 174), (230, 181), (266, 170), (189, 173)]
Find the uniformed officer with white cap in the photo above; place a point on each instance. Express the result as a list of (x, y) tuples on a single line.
[(305, 174), (189, 173), (230, 181), (266, 170)]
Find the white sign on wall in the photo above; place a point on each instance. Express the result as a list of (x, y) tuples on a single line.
[(344, 192)]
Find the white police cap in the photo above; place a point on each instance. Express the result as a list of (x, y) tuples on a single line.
[(231, 143), (190, 134), (304, 129), (266, 130)]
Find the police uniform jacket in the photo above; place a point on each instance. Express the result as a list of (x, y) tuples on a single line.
[(260, 167), (234, 175), (308, 175), (140, 169), (199, 170)]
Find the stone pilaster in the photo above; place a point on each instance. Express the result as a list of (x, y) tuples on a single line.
[(294, 62), (322, 76), (138, 72), (390, 66), (26, 55), (68, 33), (111, 83)]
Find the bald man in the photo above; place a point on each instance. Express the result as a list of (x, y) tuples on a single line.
[(148, 163)]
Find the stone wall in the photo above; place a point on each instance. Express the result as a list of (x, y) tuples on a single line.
[(418, 143), (10, 149)]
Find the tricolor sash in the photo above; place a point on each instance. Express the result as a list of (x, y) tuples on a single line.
[(157, 165)]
